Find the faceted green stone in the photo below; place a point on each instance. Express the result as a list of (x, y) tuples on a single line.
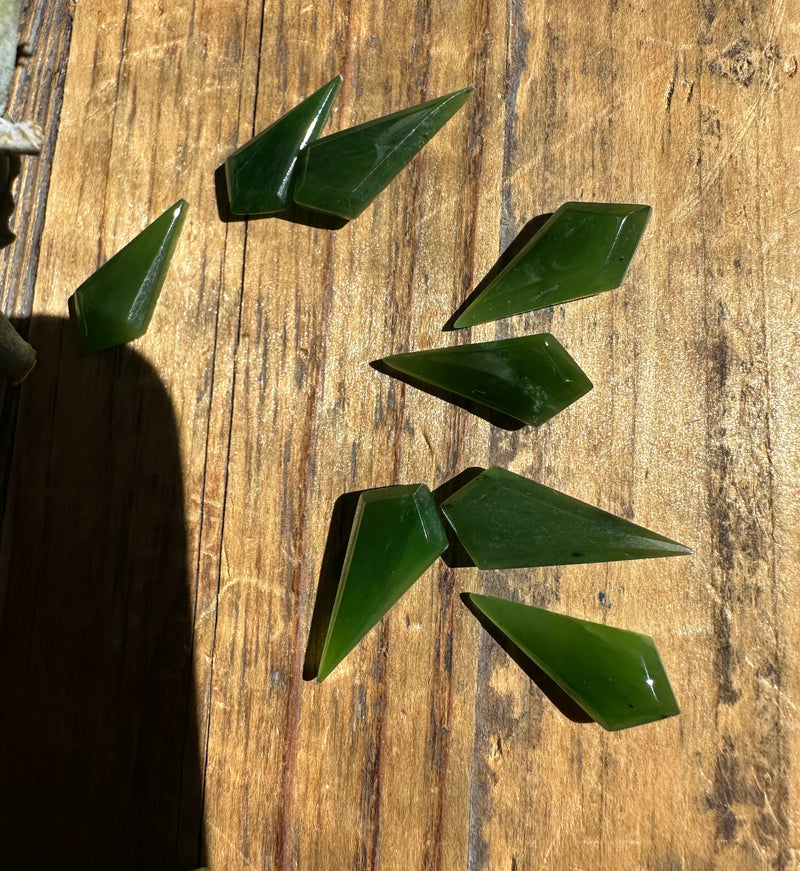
[(115, 304), (259, 174), (341, 174), (582, 249), (505, 521), (616, 676), (530, 378), (396, 536)]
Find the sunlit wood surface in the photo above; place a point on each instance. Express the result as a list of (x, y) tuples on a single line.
[(428, 748)]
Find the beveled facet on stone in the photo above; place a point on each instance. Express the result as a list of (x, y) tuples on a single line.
[(259, 175), (396, 536), (614, 675), (582, 249), (507, 521), (342, 173), (115, 304), (530, 378)]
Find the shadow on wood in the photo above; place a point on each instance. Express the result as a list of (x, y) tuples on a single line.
[(456, 556), (344, 512), (490, 415), (101, 765), (569, 708), (294, 214), (525, 235)]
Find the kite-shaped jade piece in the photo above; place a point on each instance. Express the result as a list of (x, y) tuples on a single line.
[(396, 536), (507, 521), (614, 675), (259, 175), (529, 379), (115, 304), (582, 249), (342, 173)]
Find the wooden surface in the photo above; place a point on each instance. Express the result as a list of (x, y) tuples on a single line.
[(169, 504)]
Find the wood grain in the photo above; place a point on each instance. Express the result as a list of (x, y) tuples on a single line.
[(428, 748)]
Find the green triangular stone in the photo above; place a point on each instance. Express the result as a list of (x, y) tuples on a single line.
[(259, 174), (582, 249), (341, 174), (396, 536), (614, 675), (530, 378), (505, 521), (115, 304)]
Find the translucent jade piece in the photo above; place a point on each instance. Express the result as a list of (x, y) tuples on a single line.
[(341, 174), (259, 174), (505, 521), (582, 249), (614, 675), (115, 304), (530, 379), (396, 536)]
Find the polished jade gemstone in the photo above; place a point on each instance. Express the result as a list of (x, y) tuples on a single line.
[(614, 675), (115, 304), (505, 521), (341, 174), (396, 536), (259, 174), (530, 379), (582, 249)]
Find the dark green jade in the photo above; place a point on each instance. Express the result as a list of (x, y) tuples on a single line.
[(614, 675), (582, 249), (396, 536), (341, 174), (259, 174), (115, 304), (505, 521), (530, 378)]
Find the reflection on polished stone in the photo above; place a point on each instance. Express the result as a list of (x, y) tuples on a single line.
[(614, 675), (530, 378), (342, 173), (396, 536), (259, 175), (116, 303), (583, 249)]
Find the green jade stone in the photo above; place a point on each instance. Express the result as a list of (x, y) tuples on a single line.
[(396, 536), (614, 675), (582, 249), (259, 174), (115, 304), (530, 378), (505, 521), (341, 174)]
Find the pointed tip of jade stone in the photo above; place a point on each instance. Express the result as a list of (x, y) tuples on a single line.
[(583, 248), (614, 675), (504, 520), (341, 174), (396, 536), (469, 318), (116, 303), (259, 174)]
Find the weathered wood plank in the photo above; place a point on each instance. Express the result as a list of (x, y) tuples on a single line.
[(680, 439), (428, 748)]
